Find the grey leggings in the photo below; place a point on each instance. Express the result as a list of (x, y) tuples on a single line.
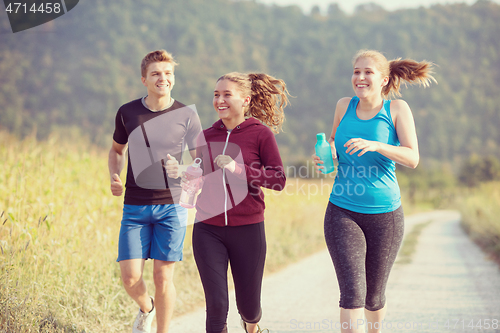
[(363, 248)]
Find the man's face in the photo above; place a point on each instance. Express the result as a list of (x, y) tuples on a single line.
[(159, 79)]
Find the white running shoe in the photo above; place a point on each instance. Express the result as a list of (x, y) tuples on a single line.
[(143, 320)]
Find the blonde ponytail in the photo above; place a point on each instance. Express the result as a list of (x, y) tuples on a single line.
[(406, 71)]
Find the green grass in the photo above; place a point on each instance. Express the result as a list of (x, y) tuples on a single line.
[(294, 220), (410, 243), (480, 209), (59, 228)]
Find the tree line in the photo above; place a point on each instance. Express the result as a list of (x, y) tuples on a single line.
[(74, 72)]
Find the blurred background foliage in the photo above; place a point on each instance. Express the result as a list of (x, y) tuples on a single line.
[(62, 83), (71, 75)]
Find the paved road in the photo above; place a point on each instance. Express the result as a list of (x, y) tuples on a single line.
[(448, 284)]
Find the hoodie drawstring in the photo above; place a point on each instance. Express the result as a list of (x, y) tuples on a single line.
[(224, 178)]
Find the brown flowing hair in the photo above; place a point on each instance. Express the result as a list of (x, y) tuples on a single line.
[(268, 97), (400, 71)]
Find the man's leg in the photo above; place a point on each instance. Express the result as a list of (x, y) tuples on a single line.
[(166, 248), (163, 273), (131, 271), (133, 246)]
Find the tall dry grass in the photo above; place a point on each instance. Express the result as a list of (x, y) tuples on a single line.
[(59, 229), (480, 210), (57, 234)]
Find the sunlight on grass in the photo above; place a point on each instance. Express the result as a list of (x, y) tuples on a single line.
[(59, 228), (409, 245), (480, 209), (294, 220)]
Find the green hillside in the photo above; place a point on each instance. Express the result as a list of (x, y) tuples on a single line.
[(77, 70)]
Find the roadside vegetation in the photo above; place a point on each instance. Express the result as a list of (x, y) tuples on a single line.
[(480, 209), (59, 229)]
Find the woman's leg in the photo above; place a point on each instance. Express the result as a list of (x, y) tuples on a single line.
[(374, 319), (384, 234), (247, 255), (352, 320), (347, 246), (211, 258)]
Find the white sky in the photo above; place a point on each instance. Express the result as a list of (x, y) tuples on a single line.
[(349, 5)]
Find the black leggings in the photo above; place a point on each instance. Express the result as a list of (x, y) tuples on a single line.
[(363, 248), (243, 246)]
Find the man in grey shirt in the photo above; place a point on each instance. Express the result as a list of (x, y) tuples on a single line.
[(156, 130)]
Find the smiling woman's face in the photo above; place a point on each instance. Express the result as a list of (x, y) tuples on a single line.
[(228, 102), (366, 79)]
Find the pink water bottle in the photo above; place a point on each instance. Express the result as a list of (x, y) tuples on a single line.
[(190, 188)]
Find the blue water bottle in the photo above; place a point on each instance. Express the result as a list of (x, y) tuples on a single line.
[(324, 152)]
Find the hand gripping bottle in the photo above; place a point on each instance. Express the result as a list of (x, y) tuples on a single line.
[(190, 188), (324, 152)]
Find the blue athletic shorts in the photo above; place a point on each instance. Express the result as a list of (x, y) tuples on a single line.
[(152, 231)]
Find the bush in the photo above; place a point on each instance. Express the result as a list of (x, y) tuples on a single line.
[(478, 169)]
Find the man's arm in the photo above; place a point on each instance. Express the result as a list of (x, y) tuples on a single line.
[(174, 169), (116, 162), (193, 154)]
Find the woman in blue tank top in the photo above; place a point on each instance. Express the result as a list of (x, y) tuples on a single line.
[(364, 221)]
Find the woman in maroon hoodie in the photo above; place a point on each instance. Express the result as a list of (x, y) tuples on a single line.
[(239, 155)]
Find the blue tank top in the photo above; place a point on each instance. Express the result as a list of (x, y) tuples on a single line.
[(366, 184)]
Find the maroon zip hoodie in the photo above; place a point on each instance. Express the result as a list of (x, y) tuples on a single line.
[(235, 199)]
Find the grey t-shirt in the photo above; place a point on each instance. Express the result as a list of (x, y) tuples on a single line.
[(151, 136)]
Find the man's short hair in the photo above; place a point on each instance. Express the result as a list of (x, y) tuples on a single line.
[(156, 56)]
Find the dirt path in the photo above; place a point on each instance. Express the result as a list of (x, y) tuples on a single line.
[(448, 284)]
